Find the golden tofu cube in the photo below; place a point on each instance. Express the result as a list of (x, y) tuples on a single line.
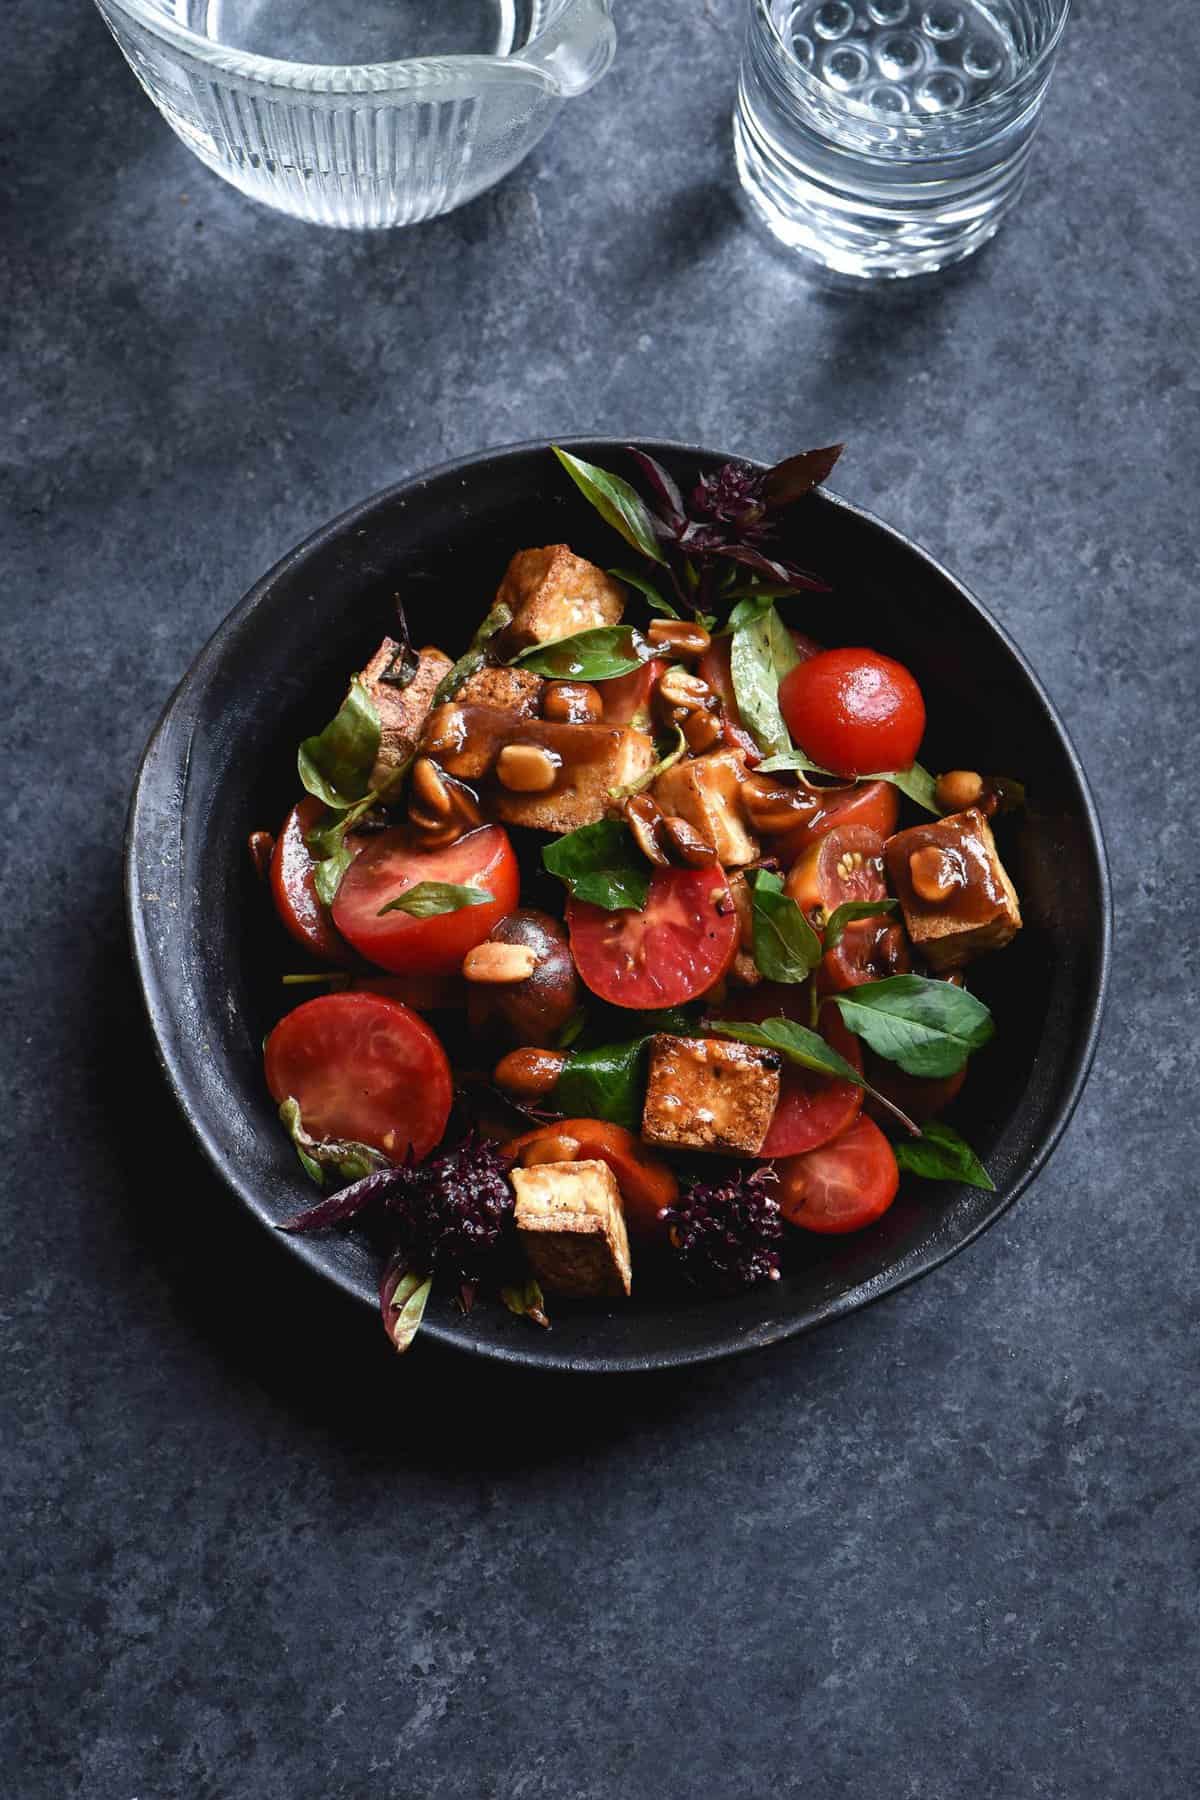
[(553, 593), (954, 891), (402, 710), (504, 690), (706, 791), (592, 761), (709, 1094), (572, 1225)]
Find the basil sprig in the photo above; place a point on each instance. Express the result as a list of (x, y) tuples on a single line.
[(927, 1027), (786, 948), (429, 899), (940, 1154), (336, 764), (598, 654), (604, 1083), (474, 656), (806, 1048), (600, 863), (842, 915), (761, 653), (618, 504), (916, 782), (650, 594)]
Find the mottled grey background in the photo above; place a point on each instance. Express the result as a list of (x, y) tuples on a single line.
[(949, 1547)]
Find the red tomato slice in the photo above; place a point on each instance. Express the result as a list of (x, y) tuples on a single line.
[(922, 1097), (846, 1184), (811, 1108), (626, 698), (676, 948), (853, 711), (845, 864), (294, 892), (395, 861), (365, 1068), (646, 1182), (872, 803)]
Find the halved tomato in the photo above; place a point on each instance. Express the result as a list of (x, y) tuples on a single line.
[(811, 1108), (674, 949), (396, 861), (922, 1097), (846, 1184), (846, 864), (365, 1068), (294, 890), (872, 803), (646, 1182), (626, 698), (869, 950)]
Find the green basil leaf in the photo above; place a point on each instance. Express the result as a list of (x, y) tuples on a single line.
[(474, 656), (429, 899), (349, 1160), (653, 772), (940, 1154), (916, 782), (673, 1020), (809, 1050), (841, 916), (760, 655), (573, 1030), (786, 948), (336, 764), (527, 1301), (762, 591), (600, 863), (404, 1309), (792, 760), (596, 655), (928, 1027), (328, 848), (647, 589), (618, 504), (605, 1083)]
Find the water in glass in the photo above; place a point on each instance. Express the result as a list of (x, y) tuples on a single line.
[(890, 137)]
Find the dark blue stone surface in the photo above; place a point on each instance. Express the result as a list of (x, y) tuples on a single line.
[(946, 1548)]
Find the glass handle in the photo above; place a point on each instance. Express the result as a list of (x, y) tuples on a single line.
[(578, 46)]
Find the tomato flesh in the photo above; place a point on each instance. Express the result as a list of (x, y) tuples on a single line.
[(293, 887), (811, 1108), (395, 861), (676, 948), (647, 1184), (842, 1186), (869, 950), (922, 1097), (854, 711), (846, 864), (626, 698), (362, 1067), (875, 804)]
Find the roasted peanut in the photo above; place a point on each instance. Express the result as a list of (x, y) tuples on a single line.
[(932, 873), (644, 818), (957, 789), (528, 1074), (683, 843), (440, 808), (527, 768), (550, 1150), (572, 702), (679, 690), (430, 789), (702, 729), (682, 637), (773, 807), (500, 963)]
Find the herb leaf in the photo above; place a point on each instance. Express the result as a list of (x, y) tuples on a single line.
[(600, 863), (940, 1154), (786, 948), (841, 916), (618, 504), (352, 1161), (527, 1301), (916, 782), (927, 1027), (796, 476), (605, 1083), (652, 774), (595, 655), (761, 653), (336, 764), (403, 1296), (808, 1049), (648, 591), (474, 656), (428, 899), (329, 850)]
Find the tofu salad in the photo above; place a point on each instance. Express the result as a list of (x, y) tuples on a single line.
[(636, 935)]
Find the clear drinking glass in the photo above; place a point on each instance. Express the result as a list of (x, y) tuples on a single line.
[(362, 113), (890, 137)]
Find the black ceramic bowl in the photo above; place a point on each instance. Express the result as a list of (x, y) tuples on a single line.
[(222, 762)]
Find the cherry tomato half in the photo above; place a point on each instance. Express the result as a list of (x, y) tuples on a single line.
[(294, 891), (395, 861), (854, 711), (922, 1097), (677, 947), (365, 1068), (844, 1185), (845, 864), (646, 1182), (869, 950), (872, 803), (811, 1108), (626, 698)]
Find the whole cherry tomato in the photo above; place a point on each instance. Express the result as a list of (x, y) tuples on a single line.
[(854, 711)]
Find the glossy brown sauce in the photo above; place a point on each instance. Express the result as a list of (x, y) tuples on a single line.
[(966, 853)]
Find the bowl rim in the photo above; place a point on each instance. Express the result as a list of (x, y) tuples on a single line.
[(161, 1019)]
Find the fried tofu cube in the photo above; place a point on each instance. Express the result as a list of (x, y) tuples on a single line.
[(591, 761), (709, 1094), (516, 691), (706, 791), (553, 593), (402, 710), (572, 1224), (954, 891)]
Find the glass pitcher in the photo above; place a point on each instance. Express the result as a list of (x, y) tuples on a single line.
[(448, 96)]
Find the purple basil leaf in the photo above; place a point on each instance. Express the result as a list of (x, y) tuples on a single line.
[(796, 476), (337, 1208), (664, 487), (773, 569)]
